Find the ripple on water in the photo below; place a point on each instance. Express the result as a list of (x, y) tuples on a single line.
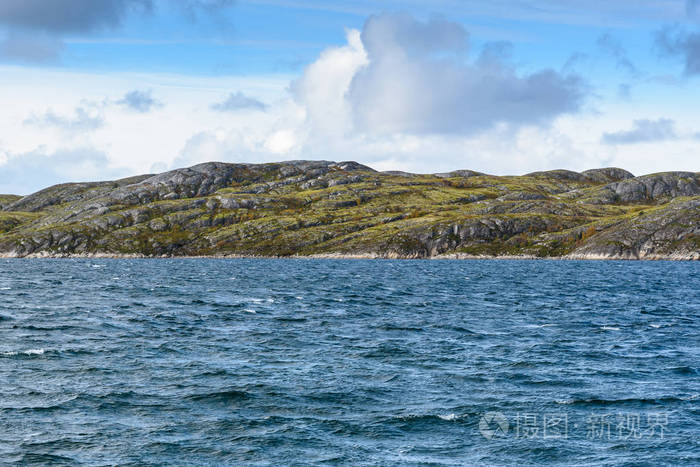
[(351, 362)]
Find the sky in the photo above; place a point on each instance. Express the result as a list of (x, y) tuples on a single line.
[(99, 90)]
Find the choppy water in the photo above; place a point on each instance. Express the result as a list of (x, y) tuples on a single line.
[(356, 362)]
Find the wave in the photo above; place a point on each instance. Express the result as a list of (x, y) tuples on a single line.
[(419, 420), (290, 320), (399, 328), (43, 458), (231, 395), (386, 351), (54, 405), (41, 351), (29, 352), (109, 401), (62, 327), (448, 417), (657, 311), (632, 400), (684, 370)]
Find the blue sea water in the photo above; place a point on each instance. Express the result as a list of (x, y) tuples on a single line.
[(278, 362)]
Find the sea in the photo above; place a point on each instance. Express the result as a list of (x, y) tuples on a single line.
[(349, 362)]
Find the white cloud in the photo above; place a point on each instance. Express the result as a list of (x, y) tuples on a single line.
[(419, 80), (82, 120), (139, 101), (323, 87), (26, 173), (400, 95), (644, 131), (401, 75), (239, 101)]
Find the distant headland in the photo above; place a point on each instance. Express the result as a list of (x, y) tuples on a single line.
[(348, 210)]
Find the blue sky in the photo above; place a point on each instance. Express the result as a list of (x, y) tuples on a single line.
[(252, 37), (97, 90)]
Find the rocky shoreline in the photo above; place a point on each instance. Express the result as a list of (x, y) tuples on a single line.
[(361, 256)]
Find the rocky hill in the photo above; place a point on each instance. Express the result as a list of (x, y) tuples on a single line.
[(328, 208)]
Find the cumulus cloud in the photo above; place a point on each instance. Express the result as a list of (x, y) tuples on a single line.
[(323, 87), (401, 75), (438, 103), (82, 120), (680, 44), (238, 101), (644, 131), (240, 144), (139, 101), (26, 173)]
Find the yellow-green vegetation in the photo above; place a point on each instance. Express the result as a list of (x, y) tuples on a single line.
[(11, 220), (6, 200), (304, 208)]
